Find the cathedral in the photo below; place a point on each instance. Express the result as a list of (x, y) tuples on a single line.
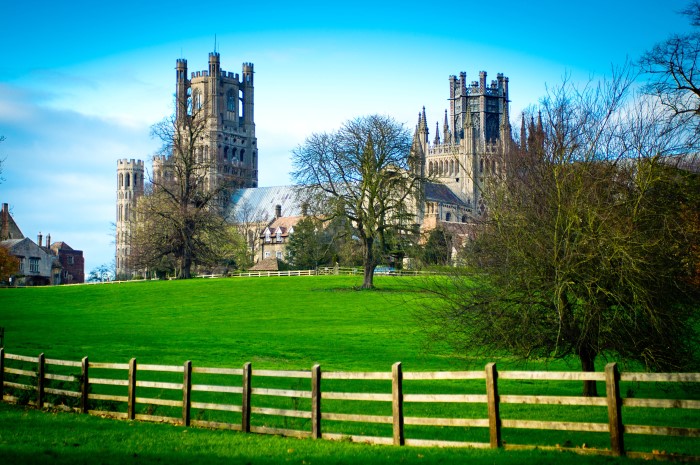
[(475, 133), (458, 160), (227, 142)]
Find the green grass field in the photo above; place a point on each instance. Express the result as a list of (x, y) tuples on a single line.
[(276, 323)]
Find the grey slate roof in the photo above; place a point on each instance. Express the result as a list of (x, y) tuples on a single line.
[(260, 203), (440, 193)]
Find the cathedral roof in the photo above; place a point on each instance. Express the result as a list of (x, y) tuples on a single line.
[(440, 193), (258, 204)]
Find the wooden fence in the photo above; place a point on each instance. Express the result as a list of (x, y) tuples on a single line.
[(237, 384)]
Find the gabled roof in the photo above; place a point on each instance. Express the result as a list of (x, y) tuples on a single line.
[(60, 246), (9, 243), (284, 224), (258, 203), (9, 230), (26, 244), (440, 193)]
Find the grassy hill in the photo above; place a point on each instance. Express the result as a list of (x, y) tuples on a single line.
[(283, 323), (277, 323)]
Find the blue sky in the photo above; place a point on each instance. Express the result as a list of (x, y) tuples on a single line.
[(82, 82)]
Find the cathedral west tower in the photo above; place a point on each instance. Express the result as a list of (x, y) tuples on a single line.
[(225, 100)]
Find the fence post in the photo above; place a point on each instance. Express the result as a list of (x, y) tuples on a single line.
[(397, 403), (131, 407), (2, 373), (187, 393), (612, 390), (493, 405), (40, 371), (316, 401), (245, 411), (84, 385)]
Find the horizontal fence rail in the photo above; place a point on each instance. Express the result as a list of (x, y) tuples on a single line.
[(134, 391)]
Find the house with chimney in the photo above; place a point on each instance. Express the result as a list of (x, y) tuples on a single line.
[(266, 217), (40, 263), (274, 238)]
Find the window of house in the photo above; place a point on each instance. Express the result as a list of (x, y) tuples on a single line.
[(448, 216), (21, 264), (279, 255), (71, 259), (279, 235), (33, 264), (267, 235), (267, 254)]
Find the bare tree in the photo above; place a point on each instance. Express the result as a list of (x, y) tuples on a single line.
[(179, 220), (583, 251), (673, 70), (362, 172), (249, 224)]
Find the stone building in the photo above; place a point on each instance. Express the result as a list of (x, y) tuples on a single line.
[(266, 212), (225, 100), (460, 158), (72, 262), (130, 187), (36, 265), (40, 263), (227, 145), (475, 134)]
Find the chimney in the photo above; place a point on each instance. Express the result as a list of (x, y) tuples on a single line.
[(5, 228), (39, 239), (278, 211), (48, 241)]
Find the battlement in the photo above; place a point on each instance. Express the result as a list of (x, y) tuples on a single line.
[(130, 164), (181, 62)]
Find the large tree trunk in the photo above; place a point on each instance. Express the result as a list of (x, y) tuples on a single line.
[(186, 266), (587, 357), (368, 263)]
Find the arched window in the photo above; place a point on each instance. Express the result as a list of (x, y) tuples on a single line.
[(279, 235), (127, 180), (448, 216), (197, 100), (242, 154), (231, 101), (226, 153), (464, 218), (452, 166), (121, 180)]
